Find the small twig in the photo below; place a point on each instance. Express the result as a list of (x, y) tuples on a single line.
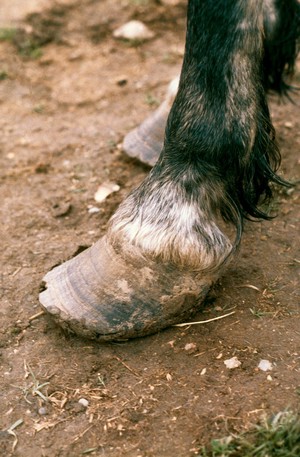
[(126, 366), (27, 372), (204, 322), (16, 271), (204, 352), (82, 433), (35, 316)]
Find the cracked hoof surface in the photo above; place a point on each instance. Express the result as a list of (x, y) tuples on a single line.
[(105, 294)]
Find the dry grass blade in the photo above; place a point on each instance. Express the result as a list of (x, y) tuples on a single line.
[(82, 433), (36, 316), (89, 451), (49, 424), (36, 386), (33, 388), (128, 367), (204, 322), (10, 430), (249, 286)]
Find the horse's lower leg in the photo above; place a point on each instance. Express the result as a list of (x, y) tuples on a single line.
[(165, 245)]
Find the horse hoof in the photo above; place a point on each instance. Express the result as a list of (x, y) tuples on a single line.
[(108, 294), (145, 142)]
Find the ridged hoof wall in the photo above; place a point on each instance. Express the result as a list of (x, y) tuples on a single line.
[(107, 295)]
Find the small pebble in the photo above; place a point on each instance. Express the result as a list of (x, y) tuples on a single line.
[(122, 81), (77, 55), (171, 343), (83, 402), (43, 411), (232, 363), (105, 190), (93, 210), (265, 365), (190, 347), (133, 30)]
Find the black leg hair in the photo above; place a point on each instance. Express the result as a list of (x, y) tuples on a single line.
[(220, 122), (281, 43)]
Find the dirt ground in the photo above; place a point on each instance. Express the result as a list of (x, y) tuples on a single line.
[(69, 92)]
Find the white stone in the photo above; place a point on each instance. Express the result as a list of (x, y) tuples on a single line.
[(105, 190), (265, 365), (232, 363), (133, 30), (93, 209), (43, 411), (83, 402), (190, 346)]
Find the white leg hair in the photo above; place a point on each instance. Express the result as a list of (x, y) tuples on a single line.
[(164, 224)]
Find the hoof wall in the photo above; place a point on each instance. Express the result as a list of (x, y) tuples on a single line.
[(104, 295)]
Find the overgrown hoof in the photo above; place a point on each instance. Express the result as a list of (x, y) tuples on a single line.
[(145, 142), (105, 294)]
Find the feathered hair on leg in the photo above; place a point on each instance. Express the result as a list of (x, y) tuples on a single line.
[(281, 43)]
